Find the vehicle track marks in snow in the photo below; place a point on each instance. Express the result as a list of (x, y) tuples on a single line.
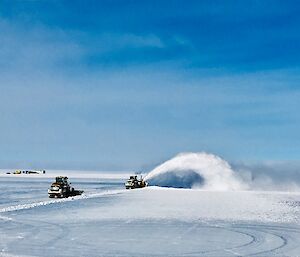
[(232, 250), (283, 240), (263, 231), (257, 245), (57, 201)]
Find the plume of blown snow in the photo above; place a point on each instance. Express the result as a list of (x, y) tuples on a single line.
[(196, 170)]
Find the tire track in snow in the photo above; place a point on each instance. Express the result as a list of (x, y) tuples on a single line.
[(283, 239), (257, 235), (275, 231), (233, 249), (20, 207)]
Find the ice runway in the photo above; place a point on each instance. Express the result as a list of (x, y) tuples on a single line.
[(110, 221)]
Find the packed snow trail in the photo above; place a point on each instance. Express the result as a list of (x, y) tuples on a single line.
[(57, 201)]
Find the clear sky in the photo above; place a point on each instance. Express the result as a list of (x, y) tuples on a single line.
[(127, 84)]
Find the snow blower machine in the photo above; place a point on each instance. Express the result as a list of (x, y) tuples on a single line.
[(61, 188), (133, 182)]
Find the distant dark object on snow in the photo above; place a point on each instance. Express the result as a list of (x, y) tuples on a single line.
[(133, 182), (18, 172), (61, 188)]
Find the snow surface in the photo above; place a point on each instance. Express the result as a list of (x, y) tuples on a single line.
[(110, 221)]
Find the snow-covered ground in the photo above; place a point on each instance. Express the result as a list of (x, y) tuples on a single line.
[(110, 221)]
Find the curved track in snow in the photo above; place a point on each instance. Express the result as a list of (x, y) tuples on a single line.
[(263, 240), (223, 239), (260, 240)]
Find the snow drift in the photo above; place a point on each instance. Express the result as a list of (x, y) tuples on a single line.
[(195, 170)]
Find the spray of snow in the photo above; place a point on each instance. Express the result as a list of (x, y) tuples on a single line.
[(196, 170)]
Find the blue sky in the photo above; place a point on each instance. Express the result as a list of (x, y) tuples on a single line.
[(126, 84)]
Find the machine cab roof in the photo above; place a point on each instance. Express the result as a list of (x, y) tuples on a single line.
[(61, 180)]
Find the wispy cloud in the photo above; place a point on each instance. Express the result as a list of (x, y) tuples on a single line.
[(133, 89)]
